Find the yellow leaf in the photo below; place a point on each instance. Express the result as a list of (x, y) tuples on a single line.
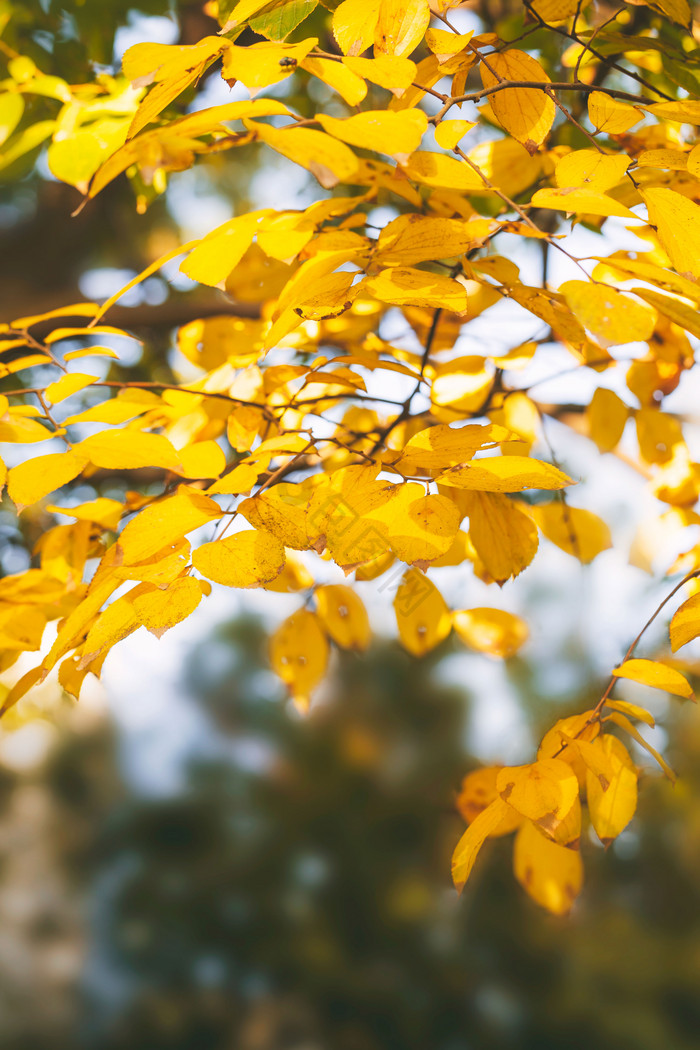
[(159, 610), (677, 222), (421, 528), (505, 474), (678, 312), (339, 76), (160, 568), (444, 45), (259, 65), (294, 576), (176, 70), (507, 164), (607, 416), (472, 840), (610, 315), (578, 532), (67, 385), (91, 351), (526, 113), (11, 110), (449, 133), (504, 537), (299, 654), (379, 130), (658, 435), (217, 254), (657, 675), (672, 159), (202, 459), (633, 710), (436, 448), (114, 624), (376, 566), (401, 26), (421, 614), (388, 71), (581, 202), (408, 286), (553, 11), (354, 23), (343, 616), (686, 111), (332, 295), (128, 450), (544, 791), (478, 791), (610, 115), (328, 160), (282, 510), (611, 808), (417, 238), (127, 405), (102, 511), (35, 478), (164, 523), (595, 171), (551, 874), (563, 741), (461, 386), (247, 559), (493, 631), (685, 624), (436, 169), (621, 720)]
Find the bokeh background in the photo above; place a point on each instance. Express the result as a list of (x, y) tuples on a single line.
[(185, 862)]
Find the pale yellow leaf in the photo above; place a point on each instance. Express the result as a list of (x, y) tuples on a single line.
[(581, 202), (343, 616), (606, 415), (35, 478), (677, 221), (612, 807), (544, 791), (128, 450), (354, 23), (493, 631), (401, 26), (67, 385), (467, 849), (247, 559), (401, 286), (421, 614), (657, 675), (417, 238), (526, 113), (505, 474), (328, 160), (478, 790), (159, 610), (551, 874), (299, 654), (685, 625), (575, 530), (610, 115), (165, 522), (505, 538), (379, 130)]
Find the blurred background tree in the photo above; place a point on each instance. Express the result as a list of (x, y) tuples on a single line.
[(291, 894)]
